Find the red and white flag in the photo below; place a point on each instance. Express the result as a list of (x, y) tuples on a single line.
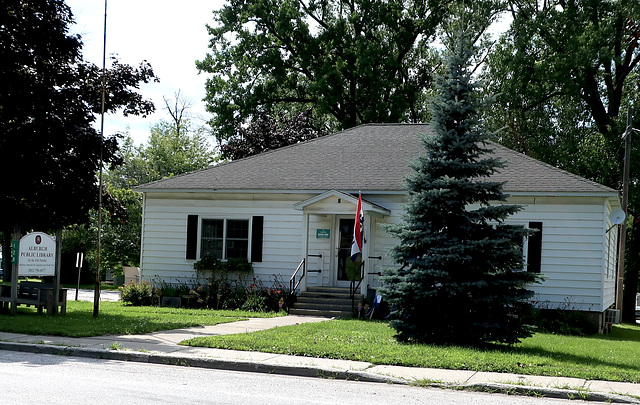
[(358, 231)]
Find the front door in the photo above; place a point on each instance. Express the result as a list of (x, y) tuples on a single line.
[(347, 270)]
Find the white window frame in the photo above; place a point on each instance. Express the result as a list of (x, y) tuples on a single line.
[(525, 242), (224, 234)]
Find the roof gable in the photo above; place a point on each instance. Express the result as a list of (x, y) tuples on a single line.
[(370, 158), (337, 202)]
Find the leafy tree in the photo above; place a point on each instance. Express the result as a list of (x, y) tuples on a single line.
[(458, 282), (134, 169), (566, 72), (49, 150), (351, 61), (168, 152), (266, 132), (121, 230)]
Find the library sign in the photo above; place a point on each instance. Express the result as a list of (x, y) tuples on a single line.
[(37, 255)]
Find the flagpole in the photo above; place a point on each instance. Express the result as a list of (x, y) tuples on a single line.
[(96, 290)]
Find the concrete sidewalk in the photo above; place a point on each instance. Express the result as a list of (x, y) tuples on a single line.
[(163, 348)]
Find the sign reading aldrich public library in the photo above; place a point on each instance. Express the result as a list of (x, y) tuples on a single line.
[(37, 255)]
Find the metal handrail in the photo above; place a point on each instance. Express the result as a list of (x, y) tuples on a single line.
[(353, 287), (293, 286)]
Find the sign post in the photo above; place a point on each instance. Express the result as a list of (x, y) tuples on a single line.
[(79, 259), (15, 260)]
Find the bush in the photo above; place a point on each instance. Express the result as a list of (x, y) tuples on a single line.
[(562, 322), (136, 294), (215, 293)]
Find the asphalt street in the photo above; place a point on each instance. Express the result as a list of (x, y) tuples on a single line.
[(78, 381), (164, 348)]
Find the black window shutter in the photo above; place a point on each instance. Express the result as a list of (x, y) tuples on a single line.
[(534, 250), (256, 238), (192, 237)]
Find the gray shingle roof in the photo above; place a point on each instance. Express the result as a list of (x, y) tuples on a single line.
[(369, 158)]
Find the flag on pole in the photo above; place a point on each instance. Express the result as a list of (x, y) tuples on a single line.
[(358, 231)]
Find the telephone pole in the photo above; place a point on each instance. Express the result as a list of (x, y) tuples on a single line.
[(624, 205)]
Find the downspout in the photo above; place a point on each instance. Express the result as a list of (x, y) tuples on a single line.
[(144, 206), (305, 252)]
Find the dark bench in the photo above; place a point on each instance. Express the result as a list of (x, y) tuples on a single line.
[(40, 295)]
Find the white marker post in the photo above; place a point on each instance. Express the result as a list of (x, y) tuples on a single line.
[(79, 259)]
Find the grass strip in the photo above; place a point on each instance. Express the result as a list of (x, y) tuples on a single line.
[(614, 357), (115, 318)]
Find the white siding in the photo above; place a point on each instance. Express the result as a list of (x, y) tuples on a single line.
[(382, 242), (578, 255), (573, 252), (610, 260), (165, 234)]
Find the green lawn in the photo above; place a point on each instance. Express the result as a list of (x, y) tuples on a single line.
[(115, 318), (615, 357)]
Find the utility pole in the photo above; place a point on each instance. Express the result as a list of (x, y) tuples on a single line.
[(96, 290), (625, 202)]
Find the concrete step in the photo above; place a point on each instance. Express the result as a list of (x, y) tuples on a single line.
[(318, 312), (326, 301), (340, 306), (330, 292), (314, 298)]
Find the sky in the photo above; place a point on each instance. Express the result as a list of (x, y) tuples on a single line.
[(170, 35)]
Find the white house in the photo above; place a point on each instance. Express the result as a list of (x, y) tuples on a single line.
[(299, 202)]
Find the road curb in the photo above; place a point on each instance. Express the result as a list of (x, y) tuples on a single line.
[(302, 371), (201, 362), (546, 392)]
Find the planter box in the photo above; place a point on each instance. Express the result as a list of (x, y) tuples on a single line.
[(173, 302)]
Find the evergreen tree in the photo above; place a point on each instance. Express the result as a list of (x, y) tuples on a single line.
[(460, 280)]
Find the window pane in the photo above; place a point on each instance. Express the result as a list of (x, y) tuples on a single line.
[(211, 247), (237, 238), (212, 238), (212, 228), (238, 229), (237, 249)]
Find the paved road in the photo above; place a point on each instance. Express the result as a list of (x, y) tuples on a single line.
[(71, 381), (87, 295)]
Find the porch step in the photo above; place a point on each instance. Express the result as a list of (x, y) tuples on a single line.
[(326, 301)]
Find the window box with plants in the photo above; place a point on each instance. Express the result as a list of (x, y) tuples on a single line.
[(210, 267)]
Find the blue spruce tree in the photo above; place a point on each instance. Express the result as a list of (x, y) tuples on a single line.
[(460, 278)]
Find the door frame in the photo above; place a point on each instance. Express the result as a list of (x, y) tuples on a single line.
[(336, 250)]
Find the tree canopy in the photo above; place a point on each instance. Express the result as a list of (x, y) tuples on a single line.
[(565, 74), (351, 61), (49, 150), (266, 132)]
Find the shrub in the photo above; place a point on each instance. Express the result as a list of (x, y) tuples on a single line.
[(562, 322), (248, 293), (137, 294)]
